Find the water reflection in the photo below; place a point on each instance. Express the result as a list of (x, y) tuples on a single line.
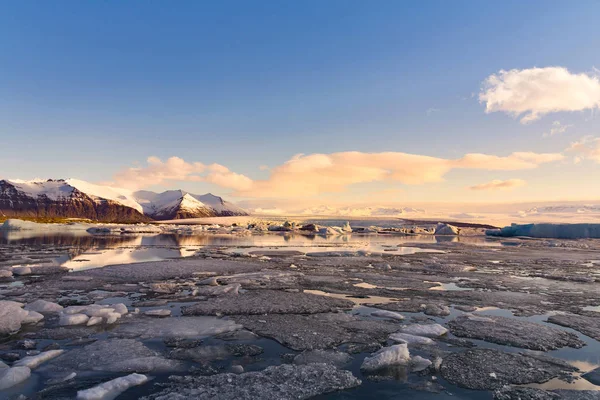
[(79, 250)]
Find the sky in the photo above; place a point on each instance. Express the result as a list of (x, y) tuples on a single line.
[(332, 102)]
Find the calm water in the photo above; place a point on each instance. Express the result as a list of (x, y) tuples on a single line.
[(83, 251)]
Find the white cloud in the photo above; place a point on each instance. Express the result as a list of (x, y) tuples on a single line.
[(556, 129), (310, 175), (587, 147), (535, 92), (157, 172), (314, 174), (497, 184)]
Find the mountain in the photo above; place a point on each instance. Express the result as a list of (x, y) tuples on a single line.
[(72, 198), (59, 199)]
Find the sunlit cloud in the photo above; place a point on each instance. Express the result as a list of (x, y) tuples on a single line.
[(159, 172), (315, 174), (556, 129), (587, 147), (534, 92), (497, 184)]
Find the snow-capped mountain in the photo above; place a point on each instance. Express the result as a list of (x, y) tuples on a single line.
[(179, 204), (72, 198)]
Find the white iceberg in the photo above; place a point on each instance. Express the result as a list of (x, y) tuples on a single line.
[(111, 389), (446, 229), (388, 314), (427, 330), (43, 306), (33, 362), (12, 316), (397, 354), (10, 377), (409, 339)]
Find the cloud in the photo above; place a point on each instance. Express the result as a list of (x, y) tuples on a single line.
[(497, 184), (556, 129), (432, 110), (535, 92), (310, 175), (222, 176), (264, 167), (158, 172), (306, 175), (587, 147)]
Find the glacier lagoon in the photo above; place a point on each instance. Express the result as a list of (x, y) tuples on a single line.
[(250, 310)]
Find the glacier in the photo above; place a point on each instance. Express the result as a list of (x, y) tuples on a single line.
[(549, 231)]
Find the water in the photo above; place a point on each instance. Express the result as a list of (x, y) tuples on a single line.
[(84, 251)]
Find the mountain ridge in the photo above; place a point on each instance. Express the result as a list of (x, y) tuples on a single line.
[(72, 198)]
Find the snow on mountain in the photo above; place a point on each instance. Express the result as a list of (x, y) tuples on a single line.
[(52, 189), (122, 196), (221, 206), (177, 204)]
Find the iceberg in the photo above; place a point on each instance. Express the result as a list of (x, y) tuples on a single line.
[(111, 389), (10, 377), (549, 231), (397, 354)]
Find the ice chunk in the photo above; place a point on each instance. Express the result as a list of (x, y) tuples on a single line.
[(337, 358), (178, 327), (5, 274), (11, 316), (397, 354), (419, 363), (33, 362), (111, 389), (161, 312), (388, 315), (94, 321), (410, 339), (120, 308), (446, 229), (32, 317), (10, 377), (427, 330), (553, 231), (72, 319), (43, 306), (112, 317)]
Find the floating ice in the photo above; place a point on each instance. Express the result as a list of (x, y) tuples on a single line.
[(161, 312), (10, 377), (72, 319), (553, 231), (427, 330), (187, 327), (33, 362), (43, 306), (446, 230), (12, 316), (111, 389), (410, 339), (397, 354), (388, 314)]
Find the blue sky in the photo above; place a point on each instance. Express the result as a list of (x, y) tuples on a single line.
[(88, 89)]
